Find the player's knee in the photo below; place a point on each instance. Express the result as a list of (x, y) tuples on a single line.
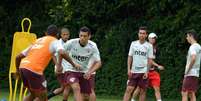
[(157, 89), (183, 93), (36, 99), (76, 88), (129, 90)]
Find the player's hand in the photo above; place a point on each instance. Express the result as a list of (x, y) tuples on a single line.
[(77, 66), (129, 74), (145, 76), (160, 67), (16, 75), (87, 75)]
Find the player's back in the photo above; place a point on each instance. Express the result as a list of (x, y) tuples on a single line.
[(39, 55)]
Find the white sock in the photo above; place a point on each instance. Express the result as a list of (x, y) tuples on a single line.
[(132, 99), (159, 100)]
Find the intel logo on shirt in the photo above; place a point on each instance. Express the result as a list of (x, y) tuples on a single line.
[(80, 58), (140, 53)]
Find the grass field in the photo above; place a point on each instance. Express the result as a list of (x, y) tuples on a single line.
[(5, 93)]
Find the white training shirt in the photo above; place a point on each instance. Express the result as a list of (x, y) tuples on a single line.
[(140, 54), (65, 64), (195, 49), (81, 55)]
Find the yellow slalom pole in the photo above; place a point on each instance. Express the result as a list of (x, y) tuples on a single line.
[(21, 91), (11, 88), (25, 92), (15, 90)]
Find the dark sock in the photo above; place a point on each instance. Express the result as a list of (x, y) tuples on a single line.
[(50, 95)]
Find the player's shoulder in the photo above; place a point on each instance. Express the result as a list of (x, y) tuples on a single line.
[(196, 45), (76, 40), (147, 43), (135, 42), (92, 44)]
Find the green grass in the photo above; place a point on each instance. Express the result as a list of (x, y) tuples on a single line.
[(5, 93)]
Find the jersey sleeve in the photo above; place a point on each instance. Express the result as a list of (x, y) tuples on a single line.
[(25, 51), (150, 52), (192, 50), (55, 46), (131, 50), (68, 45), (96, 54)]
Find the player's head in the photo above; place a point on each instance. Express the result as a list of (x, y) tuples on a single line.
[(191, 36), (142, 34), (52, 30), (65, 34), (84, 35), (152, 38)]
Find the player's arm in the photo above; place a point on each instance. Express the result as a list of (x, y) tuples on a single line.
[(130, 59), (96, 65), (157, 65), (129, 64), (193, 57), (18, 59), (20, 56), (65, 55)]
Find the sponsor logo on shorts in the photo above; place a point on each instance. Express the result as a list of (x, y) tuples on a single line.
[(128, 82), (44, 83), (72, 79)]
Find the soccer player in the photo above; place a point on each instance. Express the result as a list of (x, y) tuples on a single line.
[(81, 50), (190, 82), (139, 59), (65, 35), (153, 75), (32, 62)]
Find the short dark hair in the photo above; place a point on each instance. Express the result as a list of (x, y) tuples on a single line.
[(192, 33), (85, 29), (52, 30), (143, 28)]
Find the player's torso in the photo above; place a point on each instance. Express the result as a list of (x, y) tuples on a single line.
[(140, 56), (65, 64), (80, 54), (39, 55), (196, 67)]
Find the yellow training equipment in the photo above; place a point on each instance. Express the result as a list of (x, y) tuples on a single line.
[(21, 41)]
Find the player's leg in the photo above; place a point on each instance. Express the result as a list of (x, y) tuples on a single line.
[(35, 83), (128, 93), (143, 84), (73, 80), (42, 95), (55, 92), (60, 78), (157, 93), (192, 96), (184, 96), (142, 95), (154, 81), (189, 87), (86, 88), (92, 96), (185, 88), (132, 83), (66, 93), (135, 94), (29, 97), (76, 91)]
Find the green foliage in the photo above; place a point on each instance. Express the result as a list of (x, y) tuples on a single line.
[(114, 25)]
